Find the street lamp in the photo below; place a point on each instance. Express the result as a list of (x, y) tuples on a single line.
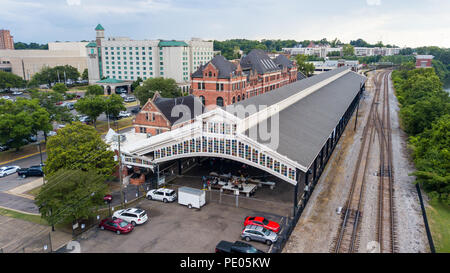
[(40, 152)]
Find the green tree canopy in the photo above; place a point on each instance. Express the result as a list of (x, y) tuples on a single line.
[(48, 101), (70, 195), (94, 90), (21, 119), (348, 50), (166, 87), (10, 80), (78, 147), (91, 106), (60, 88), (306, 68), (49, 75), (113, 105), (85, 75)]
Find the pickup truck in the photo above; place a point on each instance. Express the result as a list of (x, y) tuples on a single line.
[(236, 247), (31, 171)]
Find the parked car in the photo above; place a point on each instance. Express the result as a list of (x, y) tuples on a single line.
[(119, 226), (121, 91), (107, 198), (51, 133), (69, 105), (84, 119), (135, 110), (261, 221), (236, 247), (31, 171), (162, 194), (7, 170), (123, 95), (129, 99), (16, 93), (258, 233), (59, 103), (4, 148), (7, 98), (123, 114), (134, 216)]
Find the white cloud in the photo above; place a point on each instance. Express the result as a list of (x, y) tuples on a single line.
[(73, 2), (373, 2)]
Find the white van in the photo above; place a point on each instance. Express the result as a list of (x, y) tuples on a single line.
[(193, 198)]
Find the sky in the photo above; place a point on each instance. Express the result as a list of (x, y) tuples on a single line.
[(410, 23)]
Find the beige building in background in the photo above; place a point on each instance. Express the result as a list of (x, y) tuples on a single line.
[(26, 63)]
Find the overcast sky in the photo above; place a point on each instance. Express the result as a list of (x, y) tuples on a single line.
[(401, 22)]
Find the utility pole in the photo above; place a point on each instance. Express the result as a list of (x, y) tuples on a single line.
[(120, 171)]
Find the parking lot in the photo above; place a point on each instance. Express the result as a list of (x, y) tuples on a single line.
[(175, 228)]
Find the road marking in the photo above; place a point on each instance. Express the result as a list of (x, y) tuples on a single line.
[(19, 158)]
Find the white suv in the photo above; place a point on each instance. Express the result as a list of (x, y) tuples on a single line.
[(162, 194), (132, 215)]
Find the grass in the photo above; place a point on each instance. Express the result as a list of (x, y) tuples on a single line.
[(439, 220), (12, 154), (102, 126), (34, 192), (23, 216)]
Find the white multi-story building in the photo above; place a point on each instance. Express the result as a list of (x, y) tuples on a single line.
[(122, 58), (374, 51), (319, 51)]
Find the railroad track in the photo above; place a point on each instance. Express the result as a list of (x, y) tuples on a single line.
[(347, 238)]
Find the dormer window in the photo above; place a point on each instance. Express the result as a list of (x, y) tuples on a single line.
[(210, 74)]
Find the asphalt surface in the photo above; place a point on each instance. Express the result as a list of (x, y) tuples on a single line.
[(173, 228)]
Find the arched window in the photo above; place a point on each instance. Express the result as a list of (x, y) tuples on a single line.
[(239, 98), (243, 96), (203, 99), (210, 74), (234, 99), (219, 101)]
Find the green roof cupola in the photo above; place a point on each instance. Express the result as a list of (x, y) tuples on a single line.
[(99, 27)]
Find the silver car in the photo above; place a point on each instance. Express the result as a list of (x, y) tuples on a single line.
[(259, 233)]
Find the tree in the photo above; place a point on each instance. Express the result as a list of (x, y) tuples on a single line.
[(10, 80), (94, 90), (20, 120), (60, 88), (166, 87), (113, 105), (136, 83), (306, 68), (85, 75), (48, 101), (70, 195), (348, 50), (49, 75), (78, 147), (91, 106)]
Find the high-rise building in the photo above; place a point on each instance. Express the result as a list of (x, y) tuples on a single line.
[(6, 40), (122, 58)]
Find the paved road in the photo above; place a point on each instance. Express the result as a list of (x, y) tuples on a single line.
[(18, 203)]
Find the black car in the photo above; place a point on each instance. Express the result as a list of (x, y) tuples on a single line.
[(31, 171), (135, 110), (236, 247)]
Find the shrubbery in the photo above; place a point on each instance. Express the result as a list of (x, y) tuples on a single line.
[(425, 116)]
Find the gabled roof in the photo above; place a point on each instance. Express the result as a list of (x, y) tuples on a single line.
[(191, 107), (172, 43), (258, 60), (99, 27), (224, 66), (282, 61)]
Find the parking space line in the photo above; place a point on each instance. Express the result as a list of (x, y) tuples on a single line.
[(19, 158)]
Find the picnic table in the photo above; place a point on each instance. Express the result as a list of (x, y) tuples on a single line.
[(247, 189)]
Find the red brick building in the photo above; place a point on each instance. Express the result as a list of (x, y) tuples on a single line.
[(423, 61), (160, 114), (221, 82), (6, 40)]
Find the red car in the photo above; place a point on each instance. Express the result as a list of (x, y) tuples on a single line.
[(261, 221), (117, 225), (107, 198), (59, 103)]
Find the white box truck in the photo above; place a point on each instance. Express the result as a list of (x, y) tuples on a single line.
[(193, 198)]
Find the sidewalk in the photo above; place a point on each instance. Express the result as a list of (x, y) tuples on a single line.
[(21, 190)]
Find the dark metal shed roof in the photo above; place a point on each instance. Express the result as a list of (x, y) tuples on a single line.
[(305, 126)]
